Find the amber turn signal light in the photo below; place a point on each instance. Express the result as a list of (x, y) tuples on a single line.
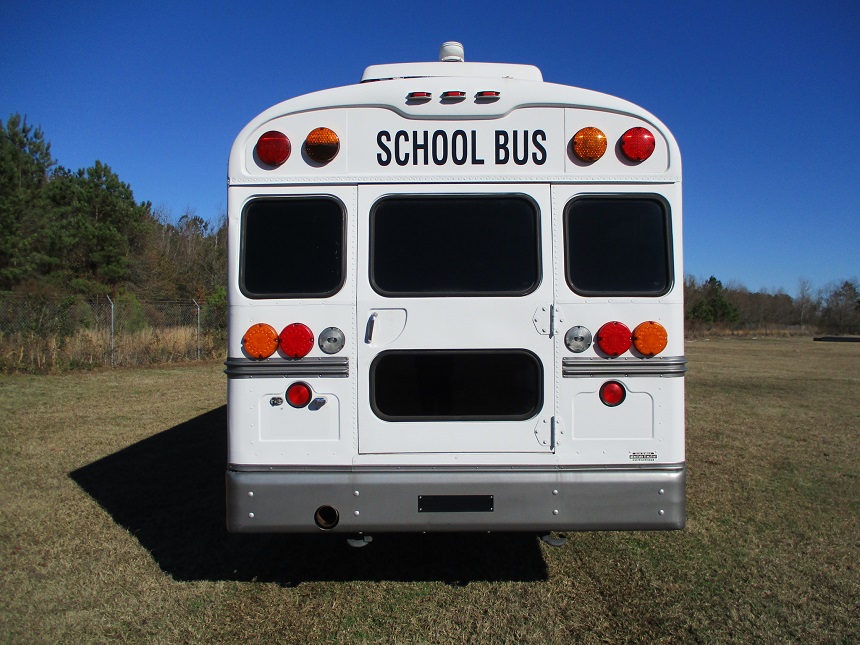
[(650, 338), (260, 341)]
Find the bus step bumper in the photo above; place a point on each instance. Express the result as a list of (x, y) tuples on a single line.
[(349, 501)]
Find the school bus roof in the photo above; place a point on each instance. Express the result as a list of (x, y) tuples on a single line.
[(451, 70)]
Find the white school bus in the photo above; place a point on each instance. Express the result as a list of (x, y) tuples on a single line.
[(455, 304)]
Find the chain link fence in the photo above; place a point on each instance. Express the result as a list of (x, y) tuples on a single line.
[(50, 333)]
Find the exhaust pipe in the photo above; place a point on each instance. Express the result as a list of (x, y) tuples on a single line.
[(326, 517)]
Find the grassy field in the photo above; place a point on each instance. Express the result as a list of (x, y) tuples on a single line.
[(111, 526)]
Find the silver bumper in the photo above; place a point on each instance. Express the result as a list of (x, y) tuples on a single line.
[(479, 499)]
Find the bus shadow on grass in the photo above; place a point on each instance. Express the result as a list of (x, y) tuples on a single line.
[(168, 492)]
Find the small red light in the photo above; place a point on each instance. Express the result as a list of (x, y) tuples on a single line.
[(273, 148), (488, 94), (296, 340), (299, 395), (614, 338), (612, 393), (419, 96), (637, 144), (453, 95)]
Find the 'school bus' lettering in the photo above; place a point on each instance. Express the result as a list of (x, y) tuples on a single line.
[(460, 148), (455, 304)]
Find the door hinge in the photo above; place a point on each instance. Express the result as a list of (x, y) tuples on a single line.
[(545, 432), (547, 319)]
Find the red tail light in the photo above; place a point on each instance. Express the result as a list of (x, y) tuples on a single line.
[(296, 340), (299, 394), (637, 144), (273, 148), (612, 393), (613, 338)]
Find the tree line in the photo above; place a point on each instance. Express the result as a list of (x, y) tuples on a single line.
[(833, 309), (82, 232)]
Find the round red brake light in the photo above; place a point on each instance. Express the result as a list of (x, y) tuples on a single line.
[(296, 340), (273, 148), (637, 144), (613, 338)]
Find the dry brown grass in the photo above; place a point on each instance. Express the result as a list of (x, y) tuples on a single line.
[(89, 348), (111, 526)]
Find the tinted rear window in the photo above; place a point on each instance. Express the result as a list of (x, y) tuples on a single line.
[(477, 385), (617, 246), (292, 248), (449, 246)]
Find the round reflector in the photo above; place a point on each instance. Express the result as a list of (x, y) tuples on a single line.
[(260, 341), (613, 338), (273, 148), (637, 144), (650, 338), (577, 339), (299, 394), (331, 340), (589, 144), (296, 340), (612, 393), (322, 145)]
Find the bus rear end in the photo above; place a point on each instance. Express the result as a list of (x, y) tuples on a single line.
[(455, 305)]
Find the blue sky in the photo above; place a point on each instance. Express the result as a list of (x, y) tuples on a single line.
[(763, 97)]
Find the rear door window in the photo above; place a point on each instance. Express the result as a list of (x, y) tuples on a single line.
[(482, 245)]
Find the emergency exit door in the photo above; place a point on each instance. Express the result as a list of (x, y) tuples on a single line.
[(454, 300)]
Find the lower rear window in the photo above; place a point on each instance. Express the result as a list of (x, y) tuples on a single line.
[(456, 385)]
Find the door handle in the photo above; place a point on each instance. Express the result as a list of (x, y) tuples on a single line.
[(368, 333)]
